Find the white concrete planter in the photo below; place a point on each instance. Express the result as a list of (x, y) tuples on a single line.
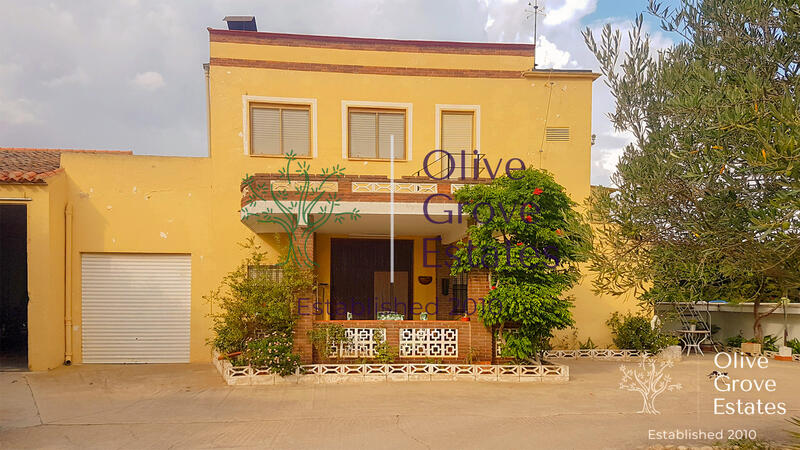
[(598, 353), (360, 373)]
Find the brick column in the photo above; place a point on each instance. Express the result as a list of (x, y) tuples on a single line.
[(480, 335), (305, 302)]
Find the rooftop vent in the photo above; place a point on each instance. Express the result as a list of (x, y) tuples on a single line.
[(241, 23)]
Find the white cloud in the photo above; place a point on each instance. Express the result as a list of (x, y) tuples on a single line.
[(607, 158), (77, 76), (549, 56), (569, 11), (17, 112), (149, 81)]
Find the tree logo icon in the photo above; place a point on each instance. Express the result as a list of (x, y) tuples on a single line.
[(648, 380), (292, 199)]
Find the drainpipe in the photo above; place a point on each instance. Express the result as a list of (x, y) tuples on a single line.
[(68, 285), (206, 69)]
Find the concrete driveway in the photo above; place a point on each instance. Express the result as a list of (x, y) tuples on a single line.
[(188, 406)]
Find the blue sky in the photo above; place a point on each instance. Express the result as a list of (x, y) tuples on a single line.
[(127, 74)]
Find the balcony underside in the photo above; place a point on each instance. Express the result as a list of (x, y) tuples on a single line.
[(410, 219)]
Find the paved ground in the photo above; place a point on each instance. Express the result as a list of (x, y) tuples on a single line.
[(188, 406)]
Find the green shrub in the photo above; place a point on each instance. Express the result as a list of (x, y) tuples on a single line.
[(384, 353), (327, 337), (520, 347), (252, 306), (632, 332), (735, 341), (769, 343), (273, 351), (794, 344), (588, 345)]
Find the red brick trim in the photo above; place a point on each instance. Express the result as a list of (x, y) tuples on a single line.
[(368, 70), (345, 192), (63, 150), (386, 45)]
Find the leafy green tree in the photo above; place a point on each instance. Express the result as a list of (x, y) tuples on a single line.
[(527, 234), (706, 200)]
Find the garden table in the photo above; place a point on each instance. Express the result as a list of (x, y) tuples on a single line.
[(693, 338)]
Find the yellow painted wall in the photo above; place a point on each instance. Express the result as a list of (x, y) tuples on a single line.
[(45, 268)]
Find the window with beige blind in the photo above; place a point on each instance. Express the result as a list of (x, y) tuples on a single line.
[(370, 132), (457, 128), (279, 129)]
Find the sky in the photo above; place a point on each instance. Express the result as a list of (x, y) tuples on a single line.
[(127, 74)]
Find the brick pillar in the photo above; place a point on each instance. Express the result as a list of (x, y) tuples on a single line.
[(305, 302), (480, 335), (444, 302)]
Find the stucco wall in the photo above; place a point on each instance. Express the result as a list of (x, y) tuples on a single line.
[(45, 268)]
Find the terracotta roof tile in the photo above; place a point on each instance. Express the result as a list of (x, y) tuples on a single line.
[(33, 165)]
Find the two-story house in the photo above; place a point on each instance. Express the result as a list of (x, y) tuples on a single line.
[(121, 249)]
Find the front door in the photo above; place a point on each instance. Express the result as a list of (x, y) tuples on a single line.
[(390, 298), (355, 287)]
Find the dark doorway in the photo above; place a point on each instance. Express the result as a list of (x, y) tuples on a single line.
[(13, 287), (360, 277)]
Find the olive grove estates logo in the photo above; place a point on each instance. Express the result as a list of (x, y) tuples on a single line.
[(649, 380), (295, 196)]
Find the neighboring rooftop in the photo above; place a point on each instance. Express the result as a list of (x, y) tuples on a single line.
[(33, 165)]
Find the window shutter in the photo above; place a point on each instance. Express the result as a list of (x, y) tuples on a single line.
[(391, 124), (265, 131), (362, 134), (295, 128), (457, 133), (457, 136)]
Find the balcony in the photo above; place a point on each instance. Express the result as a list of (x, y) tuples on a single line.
[(421, 206)]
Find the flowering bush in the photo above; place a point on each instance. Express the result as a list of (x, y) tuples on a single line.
[(256, 310), (632, 332), (273, 351)]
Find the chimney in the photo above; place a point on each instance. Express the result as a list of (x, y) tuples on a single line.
[(241, 23)]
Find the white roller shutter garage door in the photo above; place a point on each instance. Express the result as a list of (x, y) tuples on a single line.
[(136, 308)]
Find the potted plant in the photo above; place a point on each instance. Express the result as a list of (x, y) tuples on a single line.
[(752, 347), (465, 318)]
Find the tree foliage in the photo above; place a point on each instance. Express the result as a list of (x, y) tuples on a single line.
[(249, 305), (527, 234), (707, 195)]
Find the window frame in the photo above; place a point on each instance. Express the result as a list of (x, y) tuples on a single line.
[(441, 109), (249, 101), (405, 108), (459, 306), (377, 112), (280, 107)]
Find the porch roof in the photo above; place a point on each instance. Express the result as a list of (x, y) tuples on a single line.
[(421, 206)]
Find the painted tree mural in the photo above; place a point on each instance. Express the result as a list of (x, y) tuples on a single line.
[(297, 195), (650, 382)]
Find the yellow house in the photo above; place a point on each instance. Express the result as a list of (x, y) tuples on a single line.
[(121, 249)]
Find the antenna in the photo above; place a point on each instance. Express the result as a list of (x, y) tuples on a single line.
[(534, 10)]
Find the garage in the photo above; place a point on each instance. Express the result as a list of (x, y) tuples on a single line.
[(135, 308)]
